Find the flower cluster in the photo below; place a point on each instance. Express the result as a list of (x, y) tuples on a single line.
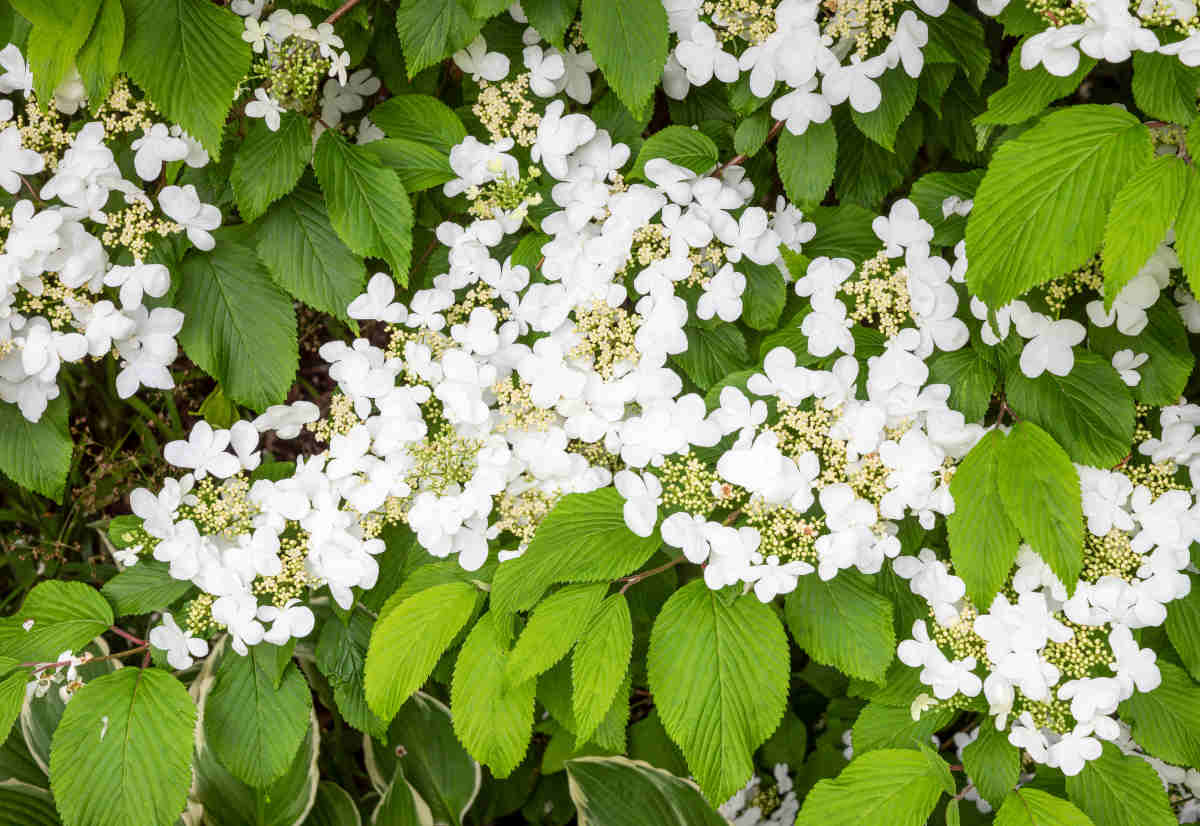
[(77, 262), (842, 47), (1058, 661), (770, 803)]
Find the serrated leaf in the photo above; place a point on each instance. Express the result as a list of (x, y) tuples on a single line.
[(420, 118), (719, 721), (1187, 230), (407, 642), (1165, 340), (305, 256), (608, 790), (680, 145), (867, 172), (1088, 411), (436, 765), (122, 752), (551, 18), (894, 786), (1120, 789), (1040, 490), (12, 696), (252, 725), (807, 162), (48, 13), (599, 663), (583, 539), (37, 455), (60, 616), (842, 232), (100, 56), (52, 48), (433, 29), (712, 354), (553, 627), (930, 191), (843, 622), (971, 380), (993, 764), (340, 655), (1028, 92), (983, 539), (960, 36), (628, 39), (882, 726), (493, 719), (144, 587), (1165, 88), (189, 56), (368, 206), (1166, 721), (1183, 629), (269, 164), (882, 123), (238, 326), (1142, 212), (418, 165), (1040, 209), (1033, 807), (765, 294), (751, 133)]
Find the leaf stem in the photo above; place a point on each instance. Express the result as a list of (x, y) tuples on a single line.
[(342, 9), (737, 160), (630, 581), (123, 634)]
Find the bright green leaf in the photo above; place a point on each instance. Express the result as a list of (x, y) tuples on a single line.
[(418, 165), (1142, 212), (60, 616), (882, 123), (144, 587), (100, 56), (420, 118), (843, 622), (269, 164), (628, 39), (895, 786), (553, 627), (1120, 789), (807, 162), (1166, 721), (1164, 87), (680, 145), (37, 455), (433, 29), (610, 790), (983, 539), (1033, 807), (599, 663), (993, 763)]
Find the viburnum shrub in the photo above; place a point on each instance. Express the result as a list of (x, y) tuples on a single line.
[(614, 412)]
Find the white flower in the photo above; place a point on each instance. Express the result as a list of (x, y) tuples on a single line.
[(855, 81), (154, 148), (180, 645), (643, 495), (15, 161), (479, 63), (183, 206), (292, 620), (911, 35), (1049, 345), (287, 420), (266, 107), (723, 295), (256, 34), (689, 533), (204, 452), (1126, 362), (377, 302), (702, 56), (1054, 49), (137, 279), (801, 106), (903, 229), (546, 68)]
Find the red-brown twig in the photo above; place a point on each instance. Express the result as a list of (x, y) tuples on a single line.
[(342, 9)]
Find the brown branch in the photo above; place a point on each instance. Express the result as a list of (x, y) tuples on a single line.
[(342, 9), (630, 581), (738, 160)]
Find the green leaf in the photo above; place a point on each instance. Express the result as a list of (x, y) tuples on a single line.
[(608, 790), (1142, 212), (48, 13), (971, 379), (628, 39), (269, 164), (983, 539), (1187, 231), (253, 726), (398, 806), (551, 18), (882, 123), (1028, 92), (1033, 807), (436, 764), (960, 37), (553, 627), (493, 719), (751, 133), (407, 642), (340, 655), (765, 295), (899, 787), (993, 763), (122, 752), (37, 455), (843, 622), (1040, 209), (333, 807), (367, 203), (1166, 721), (420, 118), (741, 649), (1164, 88), (1183, 629), (1120, 789), (583, 539), (239, 327), (1165, 341), (881, 726), (60, 616), (789, 743), (867, 172), (189, 57), (12, 696), (1040, 490), (680, 145), (842, 232), (51, 49), (100, 56), (931, 190), (144, 587), (418, 165), (712, 354), (433, 29), (807, 162), (1088, 411), (305, 256), (27, 805), (599, 663)]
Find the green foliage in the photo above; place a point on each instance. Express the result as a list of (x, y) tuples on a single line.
[(742, 649), (1118, 789), (900, 786), (807, 162), (440, 770), (144, 587), (269, 164), (1142, 212), (994, 765), (1032, 807), (36, 455), (843, 622), (1165, 721), (599, 663), (616, 790), (420, 118), (430, 31), (628, 39), (55, 616), (554, 626), (679, 145)]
